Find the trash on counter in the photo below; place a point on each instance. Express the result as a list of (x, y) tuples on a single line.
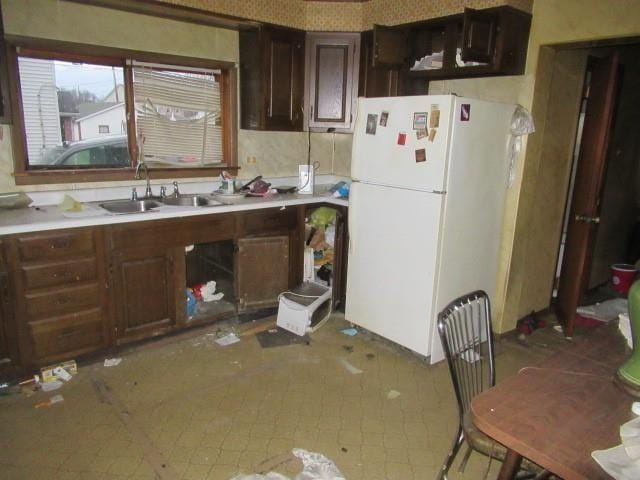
[(49, 374), (112, 362), (315, 467), (342, 192), (350, 332), (15, 200), (51, 386), (47, 403), (228, 339), (393, 394), (350, 368)]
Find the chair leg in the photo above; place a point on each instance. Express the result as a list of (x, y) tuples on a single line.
[(457, 441), (465, 459)]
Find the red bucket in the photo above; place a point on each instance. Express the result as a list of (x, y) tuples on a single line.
[(623, 276)]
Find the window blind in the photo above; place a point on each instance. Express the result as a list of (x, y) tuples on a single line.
[(178, 116)]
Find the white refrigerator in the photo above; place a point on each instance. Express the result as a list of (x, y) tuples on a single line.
[(425, 211)]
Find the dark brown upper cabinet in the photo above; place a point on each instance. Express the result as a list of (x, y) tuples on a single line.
[(390, 46), (478, 35), (272, 78), (400, 60), (332, 88)]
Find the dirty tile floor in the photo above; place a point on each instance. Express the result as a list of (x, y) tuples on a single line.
[(190, 409)]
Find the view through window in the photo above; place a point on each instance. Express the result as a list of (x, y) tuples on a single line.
[(74, 114), (81, 114)]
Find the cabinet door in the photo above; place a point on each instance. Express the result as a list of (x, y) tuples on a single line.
[(478, 36), (8, 334), (145, 293), (333, 81), (390, 47), (285, 81), (262, 271), (374, 82)]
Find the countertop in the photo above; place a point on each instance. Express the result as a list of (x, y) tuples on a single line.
[(35, 219)]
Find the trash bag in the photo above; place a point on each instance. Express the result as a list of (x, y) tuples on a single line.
[(521, 124), (316, 467), (323, 216)]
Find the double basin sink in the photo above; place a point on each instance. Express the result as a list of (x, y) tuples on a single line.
[(145, 205)]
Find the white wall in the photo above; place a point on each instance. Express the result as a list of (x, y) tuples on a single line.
[(40, 104), (114, 118)]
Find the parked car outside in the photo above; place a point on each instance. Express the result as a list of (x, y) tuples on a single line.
[(100, 152)]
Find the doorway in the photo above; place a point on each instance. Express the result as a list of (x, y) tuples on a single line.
[(601, 214)]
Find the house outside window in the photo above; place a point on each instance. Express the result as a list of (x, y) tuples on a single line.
[(103, 128)]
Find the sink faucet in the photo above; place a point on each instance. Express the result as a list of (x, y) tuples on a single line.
[(147, 193), (176, 190)]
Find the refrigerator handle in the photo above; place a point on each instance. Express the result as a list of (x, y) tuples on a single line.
[(350, 219)]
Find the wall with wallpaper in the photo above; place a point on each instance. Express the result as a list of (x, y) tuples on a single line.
[(343, 16)]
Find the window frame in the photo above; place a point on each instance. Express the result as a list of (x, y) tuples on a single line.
[(59, 50)]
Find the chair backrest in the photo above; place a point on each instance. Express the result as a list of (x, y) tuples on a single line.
[(467, 339)]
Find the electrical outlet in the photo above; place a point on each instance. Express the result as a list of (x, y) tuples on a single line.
[(306, 179), (251, 160)]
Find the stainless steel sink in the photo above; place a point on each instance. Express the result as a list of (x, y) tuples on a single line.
[(130, 206), (193, 200)]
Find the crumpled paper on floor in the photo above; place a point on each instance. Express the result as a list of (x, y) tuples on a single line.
[(622, 462), (316, 467)]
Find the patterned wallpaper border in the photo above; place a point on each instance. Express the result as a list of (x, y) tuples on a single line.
[(343, 16)]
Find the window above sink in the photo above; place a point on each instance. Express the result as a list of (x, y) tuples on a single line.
[(82, 116)]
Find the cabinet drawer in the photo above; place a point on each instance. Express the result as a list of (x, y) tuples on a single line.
[(266, 221), (61, 301), (55, 245), (67, 336), (59, 273), (174, 232)]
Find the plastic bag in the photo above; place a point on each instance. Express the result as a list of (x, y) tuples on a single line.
[(521, 124), (323, 216), (316, 467)]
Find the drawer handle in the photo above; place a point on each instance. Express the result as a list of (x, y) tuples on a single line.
[(62, 243), (67, 334), (61, 274)]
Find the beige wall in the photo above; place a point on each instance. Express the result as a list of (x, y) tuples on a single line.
[(531, 233)]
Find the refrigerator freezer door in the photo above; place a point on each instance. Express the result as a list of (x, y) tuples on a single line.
[(380, 159), (392, 259)]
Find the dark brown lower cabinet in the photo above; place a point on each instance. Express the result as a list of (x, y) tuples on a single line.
[(145, 292), (262, 271), (67, 293), (8, 337)]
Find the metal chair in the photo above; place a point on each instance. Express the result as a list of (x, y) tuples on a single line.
[(467, 339)]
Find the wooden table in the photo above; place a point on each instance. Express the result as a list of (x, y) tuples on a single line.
[(558, 412)]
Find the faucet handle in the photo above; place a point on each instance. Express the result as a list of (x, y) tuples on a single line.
[(176, 191), (134, 194), (163, 191)]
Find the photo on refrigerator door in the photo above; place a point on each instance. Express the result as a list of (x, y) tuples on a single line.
[(372, 121)]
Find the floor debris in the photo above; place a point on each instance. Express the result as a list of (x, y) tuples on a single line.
[(112, 362), (228, 339), (350, 332), (47, 403), (51, 386), (315, 467), (350, 368), (393, 394)]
